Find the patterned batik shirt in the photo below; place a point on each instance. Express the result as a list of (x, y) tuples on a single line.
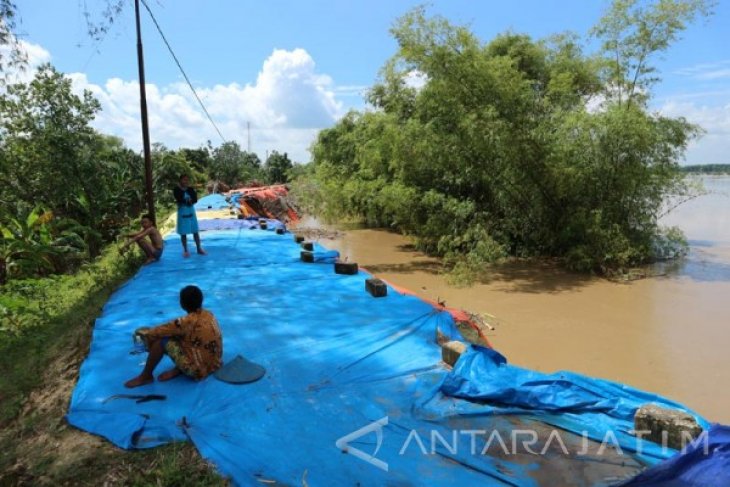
[(199, 337)]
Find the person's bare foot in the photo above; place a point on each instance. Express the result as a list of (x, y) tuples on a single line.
[(140, 380), (186, 254), (169, 374), (202, 252)]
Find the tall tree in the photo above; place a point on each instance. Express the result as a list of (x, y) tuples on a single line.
[(497, 151), (277, 168), (632, 33), (168, 166), (199, 158), (232, 165), (45, 130)]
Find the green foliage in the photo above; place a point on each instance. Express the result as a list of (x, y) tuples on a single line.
[(276, 168), (199, 158), (45, 129), (298, 171), (37, 312), (39, 243), (177, 465), (11, 55), (25, 246), (707, 169), (497, 153), (167, 167), (232, 165), (46, 144), (631, 32)]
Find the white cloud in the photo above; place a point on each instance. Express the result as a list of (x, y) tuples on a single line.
[(286, 106), (351, 90), (716, 74), (707, 71), (415, 79), (35, 56), (714, 146)]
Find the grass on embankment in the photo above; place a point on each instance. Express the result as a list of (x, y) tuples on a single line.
[(45, 331)]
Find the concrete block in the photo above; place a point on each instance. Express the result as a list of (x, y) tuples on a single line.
[(307, 256), (451, 351), (348, 268), (308, 246), (665, 426), (376, 287), (298, 238), (280, 231), (263, 225)]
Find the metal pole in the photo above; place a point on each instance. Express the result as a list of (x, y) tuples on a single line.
[(145, 124)]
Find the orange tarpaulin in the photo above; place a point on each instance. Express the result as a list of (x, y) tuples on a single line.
[(266, 202)]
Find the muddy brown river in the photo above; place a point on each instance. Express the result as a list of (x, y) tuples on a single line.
[(669, 334)]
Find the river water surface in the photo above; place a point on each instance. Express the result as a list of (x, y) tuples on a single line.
[(669, 335)]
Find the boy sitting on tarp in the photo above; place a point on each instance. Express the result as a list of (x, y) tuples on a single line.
[(193, 342), (152, 247)]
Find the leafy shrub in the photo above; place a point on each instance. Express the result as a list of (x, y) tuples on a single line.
[(497, 153)]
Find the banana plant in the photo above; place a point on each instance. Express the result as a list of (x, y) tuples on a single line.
[(26, 246)]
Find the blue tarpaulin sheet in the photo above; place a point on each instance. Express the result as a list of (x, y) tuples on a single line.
[(705, 462), (584, 405), (251, 223), (212, 202), (345, 373)]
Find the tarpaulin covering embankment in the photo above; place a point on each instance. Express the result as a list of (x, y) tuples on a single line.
[(345, 372), (271, 202), (265, 201)]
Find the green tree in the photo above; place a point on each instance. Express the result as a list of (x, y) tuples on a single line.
[(199, 158), (45, 135), (251, 168), (632, 33), (50, 155), (168, 166), (232, 165), (11, 54), (277, 167), (497, 152)]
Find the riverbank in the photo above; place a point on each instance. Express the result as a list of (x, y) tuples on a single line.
[(47, 326), (664, 334)]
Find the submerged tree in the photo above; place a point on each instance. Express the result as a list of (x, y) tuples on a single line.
[(498, 152)]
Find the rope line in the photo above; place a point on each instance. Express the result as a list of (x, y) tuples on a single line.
[(169, 48)]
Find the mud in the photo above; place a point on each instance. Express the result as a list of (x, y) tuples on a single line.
[(668, 334)]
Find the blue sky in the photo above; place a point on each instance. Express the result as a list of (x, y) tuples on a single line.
[(290, 68)]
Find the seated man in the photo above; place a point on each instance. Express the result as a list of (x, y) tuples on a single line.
[(193, 342), (153, 247)]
